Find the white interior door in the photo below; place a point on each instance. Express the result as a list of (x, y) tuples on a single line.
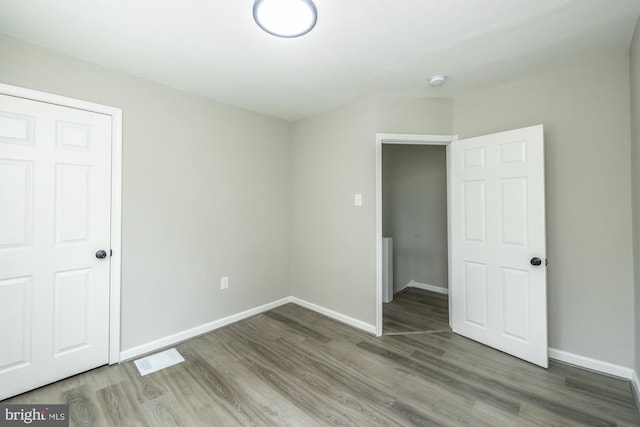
[(499, 295), (55, 195)]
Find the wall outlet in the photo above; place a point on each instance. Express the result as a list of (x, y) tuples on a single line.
[(224, 283)]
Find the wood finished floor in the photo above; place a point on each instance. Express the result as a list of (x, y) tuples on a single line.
[(416, 310), (293, 367)]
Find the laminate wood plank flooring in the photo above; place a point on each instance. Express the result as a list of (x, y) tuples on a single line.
[(416, 310), (294, 367)]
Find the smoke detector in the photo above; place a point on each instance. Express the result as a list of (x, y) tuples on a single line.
[(437, 80)]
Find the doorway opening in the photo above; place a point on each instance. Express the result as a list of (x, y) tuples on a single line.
[(412, 220)]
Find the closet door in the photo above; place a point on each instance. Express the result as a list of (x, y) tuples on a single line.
[(55, 213)]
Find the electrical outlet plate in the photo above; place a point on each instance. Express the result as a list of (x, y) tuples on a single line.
[(224, 283)]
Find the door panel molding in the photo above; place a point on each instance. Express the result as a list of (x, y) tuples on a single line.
[(514, 294)]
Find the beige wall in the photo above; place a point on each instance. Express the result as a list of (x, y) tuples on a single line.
[(586, 120), (332, 158), (414, 212), (332, 241), (205, 194), (396, 114), (635, 176)]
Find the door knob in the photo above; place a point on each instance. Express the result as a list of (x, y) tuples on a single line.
[(101, 254), (536, 261)]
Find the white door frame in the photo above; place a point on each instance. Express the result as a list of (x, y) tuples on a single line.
[(116, 196), (406, 139)]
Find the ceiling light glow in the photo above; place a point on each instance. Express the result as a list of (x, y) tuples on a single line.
[(437, 80), (285, 18)]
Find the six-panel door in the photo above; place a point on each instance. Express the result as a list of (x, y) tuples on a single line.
[(55, 192), (498, 227)]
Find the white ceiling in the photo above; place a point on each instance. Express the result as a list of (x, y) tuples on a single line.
[(358, 48)]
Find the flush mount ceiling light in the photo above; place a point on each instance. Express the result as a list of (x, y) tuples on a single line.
[(437, 80), (285, 18)]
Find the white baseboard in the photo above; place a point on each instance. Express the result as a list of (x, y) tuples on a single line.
[(211, 326), (635, 383), (592, 364), (562, 356), (432, 288), (198, 330), (358, 324)]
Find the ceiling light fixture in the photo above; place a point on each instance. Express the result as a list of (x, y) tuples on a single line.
[(285, 18), (437, 80)]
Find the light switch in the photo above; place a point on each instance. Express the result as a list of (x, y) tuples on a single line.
[(357, 200)]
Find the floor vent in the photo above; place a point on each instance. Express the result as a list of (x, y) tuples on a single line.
[(155, 362)]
